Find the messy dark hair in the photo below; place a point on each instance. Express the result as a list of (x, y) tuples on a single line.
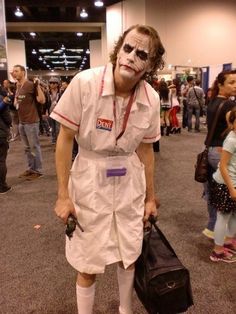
[(157, 49), (22, 68), (220, 80), (230, 120)]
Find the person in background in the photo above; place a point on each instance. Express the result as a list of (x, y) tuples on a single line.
[(10, 89), (45, 108), (54, 93), (115, 115), (195, 102), (165, 97), (5, 123), (223, 198), (223, 88), (175, 108), (64, 85), (184, 91), (27, 95)]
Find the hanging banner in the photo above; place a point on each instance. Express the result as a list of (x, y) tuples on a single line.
[(3, 52)]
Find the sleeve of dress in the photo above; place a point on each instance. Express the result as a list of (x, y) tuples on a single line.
[(68, 110), (153, 133)]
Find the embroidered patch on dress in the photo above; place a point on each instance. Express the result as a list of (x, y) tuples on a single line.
[(104, 124)]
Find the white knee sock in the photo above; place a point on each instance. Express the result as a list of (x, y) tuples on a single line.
[(85, 299), (125, 282)]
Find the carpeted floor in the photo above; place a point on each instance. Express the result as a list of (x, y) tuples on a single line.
[(34, 275)]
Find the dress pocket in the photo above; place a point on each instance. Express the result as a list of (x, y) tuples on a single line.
[(82, 181)]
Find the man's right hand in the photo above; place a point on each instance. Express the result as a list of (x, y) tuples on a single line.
[(64, 207)]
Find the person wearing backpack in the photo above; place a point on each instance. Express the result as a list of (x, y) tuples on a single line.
[(195, 102)]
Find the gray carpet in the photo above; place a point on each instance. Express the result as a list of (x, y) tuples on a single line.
[(34, 275)]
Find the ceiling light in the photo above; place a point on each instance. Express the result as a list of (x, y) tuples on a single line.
[(79, 34), (45, 50), (34, 52), (83, 13), (63, 47), (40, 58), (32, 34), (87, 52), (18, 12), (98, 3)]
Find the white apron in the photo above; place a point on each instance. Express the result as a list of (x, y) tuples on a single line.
[(109, 208)]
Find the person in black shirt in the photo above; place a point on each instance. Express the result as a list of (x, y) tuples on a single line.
[(5, 123), (223, 88)]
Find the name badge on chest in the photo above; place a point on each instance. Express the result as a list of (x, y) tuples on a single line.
[(104, 124)]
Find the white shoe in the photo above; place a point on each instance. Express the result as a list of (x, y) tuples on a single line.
[(208, 233)]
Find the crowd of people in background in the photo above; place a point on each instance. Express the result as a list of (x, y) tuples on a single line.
[(25, 106), (20, 120)]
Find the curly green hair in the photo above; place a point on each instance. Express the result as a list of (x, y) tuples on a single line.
[(157, 49)]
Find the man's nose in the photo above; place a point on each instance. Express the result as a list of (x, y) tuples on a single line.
[(131, 55)]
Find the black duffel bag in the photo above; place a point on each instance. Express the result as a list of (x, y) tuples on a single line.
[(161, 281)]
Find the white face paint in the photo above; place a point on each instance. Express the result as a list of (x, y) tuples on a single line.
[(133, 57)]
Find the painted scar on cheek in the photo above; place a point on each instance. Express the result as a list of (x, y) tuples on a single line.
[(137, 65)]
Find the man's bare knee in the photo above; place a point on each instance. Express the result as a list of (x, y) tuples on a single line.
[(121, 265), (85, 280)]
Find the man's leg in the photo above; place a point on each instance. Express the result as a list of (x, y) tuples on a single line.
[(3, 167), (85, 293), (197, 117), (190, 115), (32, 132), (25, 141), (125, 282)]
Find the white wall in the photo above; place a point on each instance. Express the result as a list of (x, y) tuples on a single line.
[(95, 47), (202, 31), (114, 24), (15, 54), (134, 12)]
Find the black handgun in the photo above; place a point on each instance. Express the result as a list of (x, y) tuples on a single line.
[(72, 222)]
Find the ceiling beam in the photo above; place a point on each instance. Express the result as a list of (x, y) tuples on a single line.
[(46, 3), (53, 27)]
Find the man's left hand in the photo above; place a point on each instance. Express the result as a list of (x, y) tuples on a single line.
[(151, 209)]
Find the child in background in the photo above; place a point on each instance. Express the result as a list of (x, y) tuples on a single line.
[(223, 197)]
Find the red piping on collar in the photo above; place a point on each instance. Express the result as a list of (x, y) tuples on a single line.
[(102, 82)]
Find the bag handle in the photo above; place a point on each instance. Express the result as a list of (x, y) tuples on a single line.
[(197, 97), (212, 129), (152, 219)]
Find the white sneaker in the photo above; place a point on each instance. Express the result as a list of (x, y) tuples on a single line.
[(208, 233)]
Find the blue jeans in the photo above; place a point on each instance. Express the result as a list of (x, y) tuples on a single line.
[(213, 159), (196, 110), (55, 129), (30, 136)]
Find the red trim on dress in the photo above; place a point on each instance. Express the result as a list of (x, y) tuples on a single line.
[(149, 138), (66, 118)]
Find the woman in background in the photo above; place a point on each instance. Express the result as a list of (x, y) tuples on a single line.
[(223, 88)]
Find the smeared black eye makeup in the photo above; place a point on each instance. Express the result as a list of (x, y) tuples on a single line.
[(139, 53)]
